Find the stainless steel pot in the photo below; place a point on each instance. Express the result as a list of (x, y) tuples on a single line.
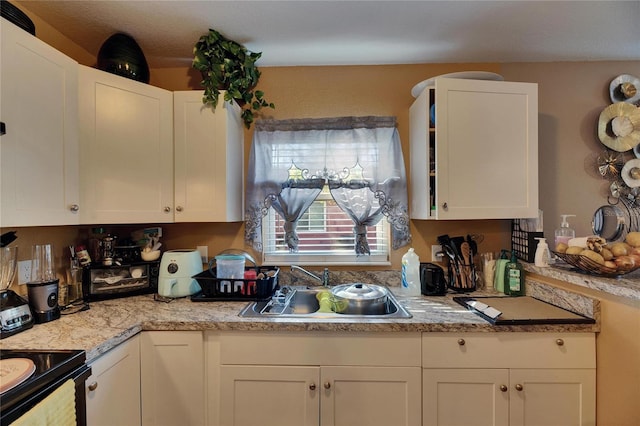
[(361, 299)]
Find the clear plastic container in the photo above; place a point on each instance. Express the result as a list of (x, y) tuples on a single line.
[(230, 266)]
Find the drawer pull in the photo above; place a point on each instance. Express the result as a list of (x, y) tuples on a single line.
[(559, 342), (93, 386), (445, 206), (504, 388), (312, 386), (167, 209), (519, 387), (74, 207), (327, 385), (179, 208), (461, 342)]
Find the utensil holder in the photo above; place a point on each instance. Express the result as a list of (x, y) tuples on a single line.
[(462, 277)]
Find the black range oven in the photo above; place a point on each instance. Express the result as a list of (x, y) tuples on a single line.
[(52, 369)]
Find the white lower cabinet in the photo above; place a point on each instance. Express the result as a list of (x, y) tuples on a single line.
[(113, 389), (512, 379), (173, 390), (320, 379), (269, 395)]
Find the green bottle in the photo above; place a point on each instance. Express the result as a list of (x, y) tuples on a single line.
[(514, 277), (498, 280)]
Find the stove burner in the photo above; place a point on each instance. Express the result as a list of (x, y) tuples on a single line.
[(14, 371)]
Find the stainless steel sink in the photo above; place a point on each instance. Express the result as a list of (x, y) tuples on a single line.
[(301, 302)]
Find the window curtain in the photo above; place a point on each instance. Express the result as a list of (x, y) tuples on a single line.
[(359, 158)]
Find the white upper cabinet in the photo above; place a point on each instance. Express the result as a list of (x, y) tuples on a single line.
[(480, 159), (126, 149), (209, 160), (39, 152)]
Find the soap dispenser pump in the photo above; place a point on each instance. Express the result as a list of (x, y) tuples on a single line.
[(543, 256), (564, 233)]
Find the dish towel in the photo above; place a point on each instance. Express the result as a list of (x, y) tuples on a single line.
[(58, 409)]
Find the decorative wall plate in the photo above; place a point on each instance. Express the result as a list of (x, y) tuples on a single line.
[(625, 88), (619, 126), (631, 173)]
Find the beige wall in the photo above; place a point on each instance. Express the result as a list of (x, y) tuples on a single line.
[(571, 97)]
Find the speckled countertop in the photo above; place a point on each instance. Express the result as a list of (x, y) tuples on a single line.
[(108, 323), (626, 286)]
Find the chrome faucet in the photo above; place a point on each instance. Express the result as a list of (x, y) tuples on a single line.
[(325, 274)]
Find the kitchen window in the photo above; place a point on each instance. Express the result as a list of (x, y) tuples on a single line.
[(326, 191)]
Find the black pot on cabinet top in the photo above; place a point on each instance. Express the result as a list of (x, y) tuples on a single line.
[(121, 55), (16, 16)]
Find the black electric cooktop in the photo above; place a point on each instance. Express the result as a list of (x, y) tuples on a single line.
[(52, 366)]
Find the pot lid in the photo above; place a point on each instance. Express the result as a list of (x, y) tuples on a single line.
[(360, 291)]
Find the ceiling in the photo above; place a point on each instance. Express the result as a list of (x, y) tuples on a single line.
[(307, 32)]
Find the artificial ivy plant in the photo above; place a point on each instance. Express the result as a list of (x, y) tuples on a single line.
[(228, 66)]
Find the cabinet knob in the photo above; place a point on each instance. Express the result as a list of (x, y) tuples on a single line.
[(179, 208), (327, 385), (519, 387), (559, 342), (167, 209), (445, 206), (93, 386), (503, 388), (312, 386), (74, 207), (461, 342)]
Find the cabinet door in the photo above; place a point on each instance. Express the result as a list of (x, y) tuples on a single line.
[(269, 395), (486, 149), (126, 149), (209, 160), (39, 152), (370, 396), (113, 389), (542, 397), (172, 378), (462, 397)]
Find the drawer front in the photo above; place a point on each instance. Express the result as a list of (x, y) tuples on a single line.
[(508, 350), (321, 348)]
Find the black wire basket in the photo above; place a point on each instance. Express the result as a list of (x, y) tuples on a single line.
[(261, 287)]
